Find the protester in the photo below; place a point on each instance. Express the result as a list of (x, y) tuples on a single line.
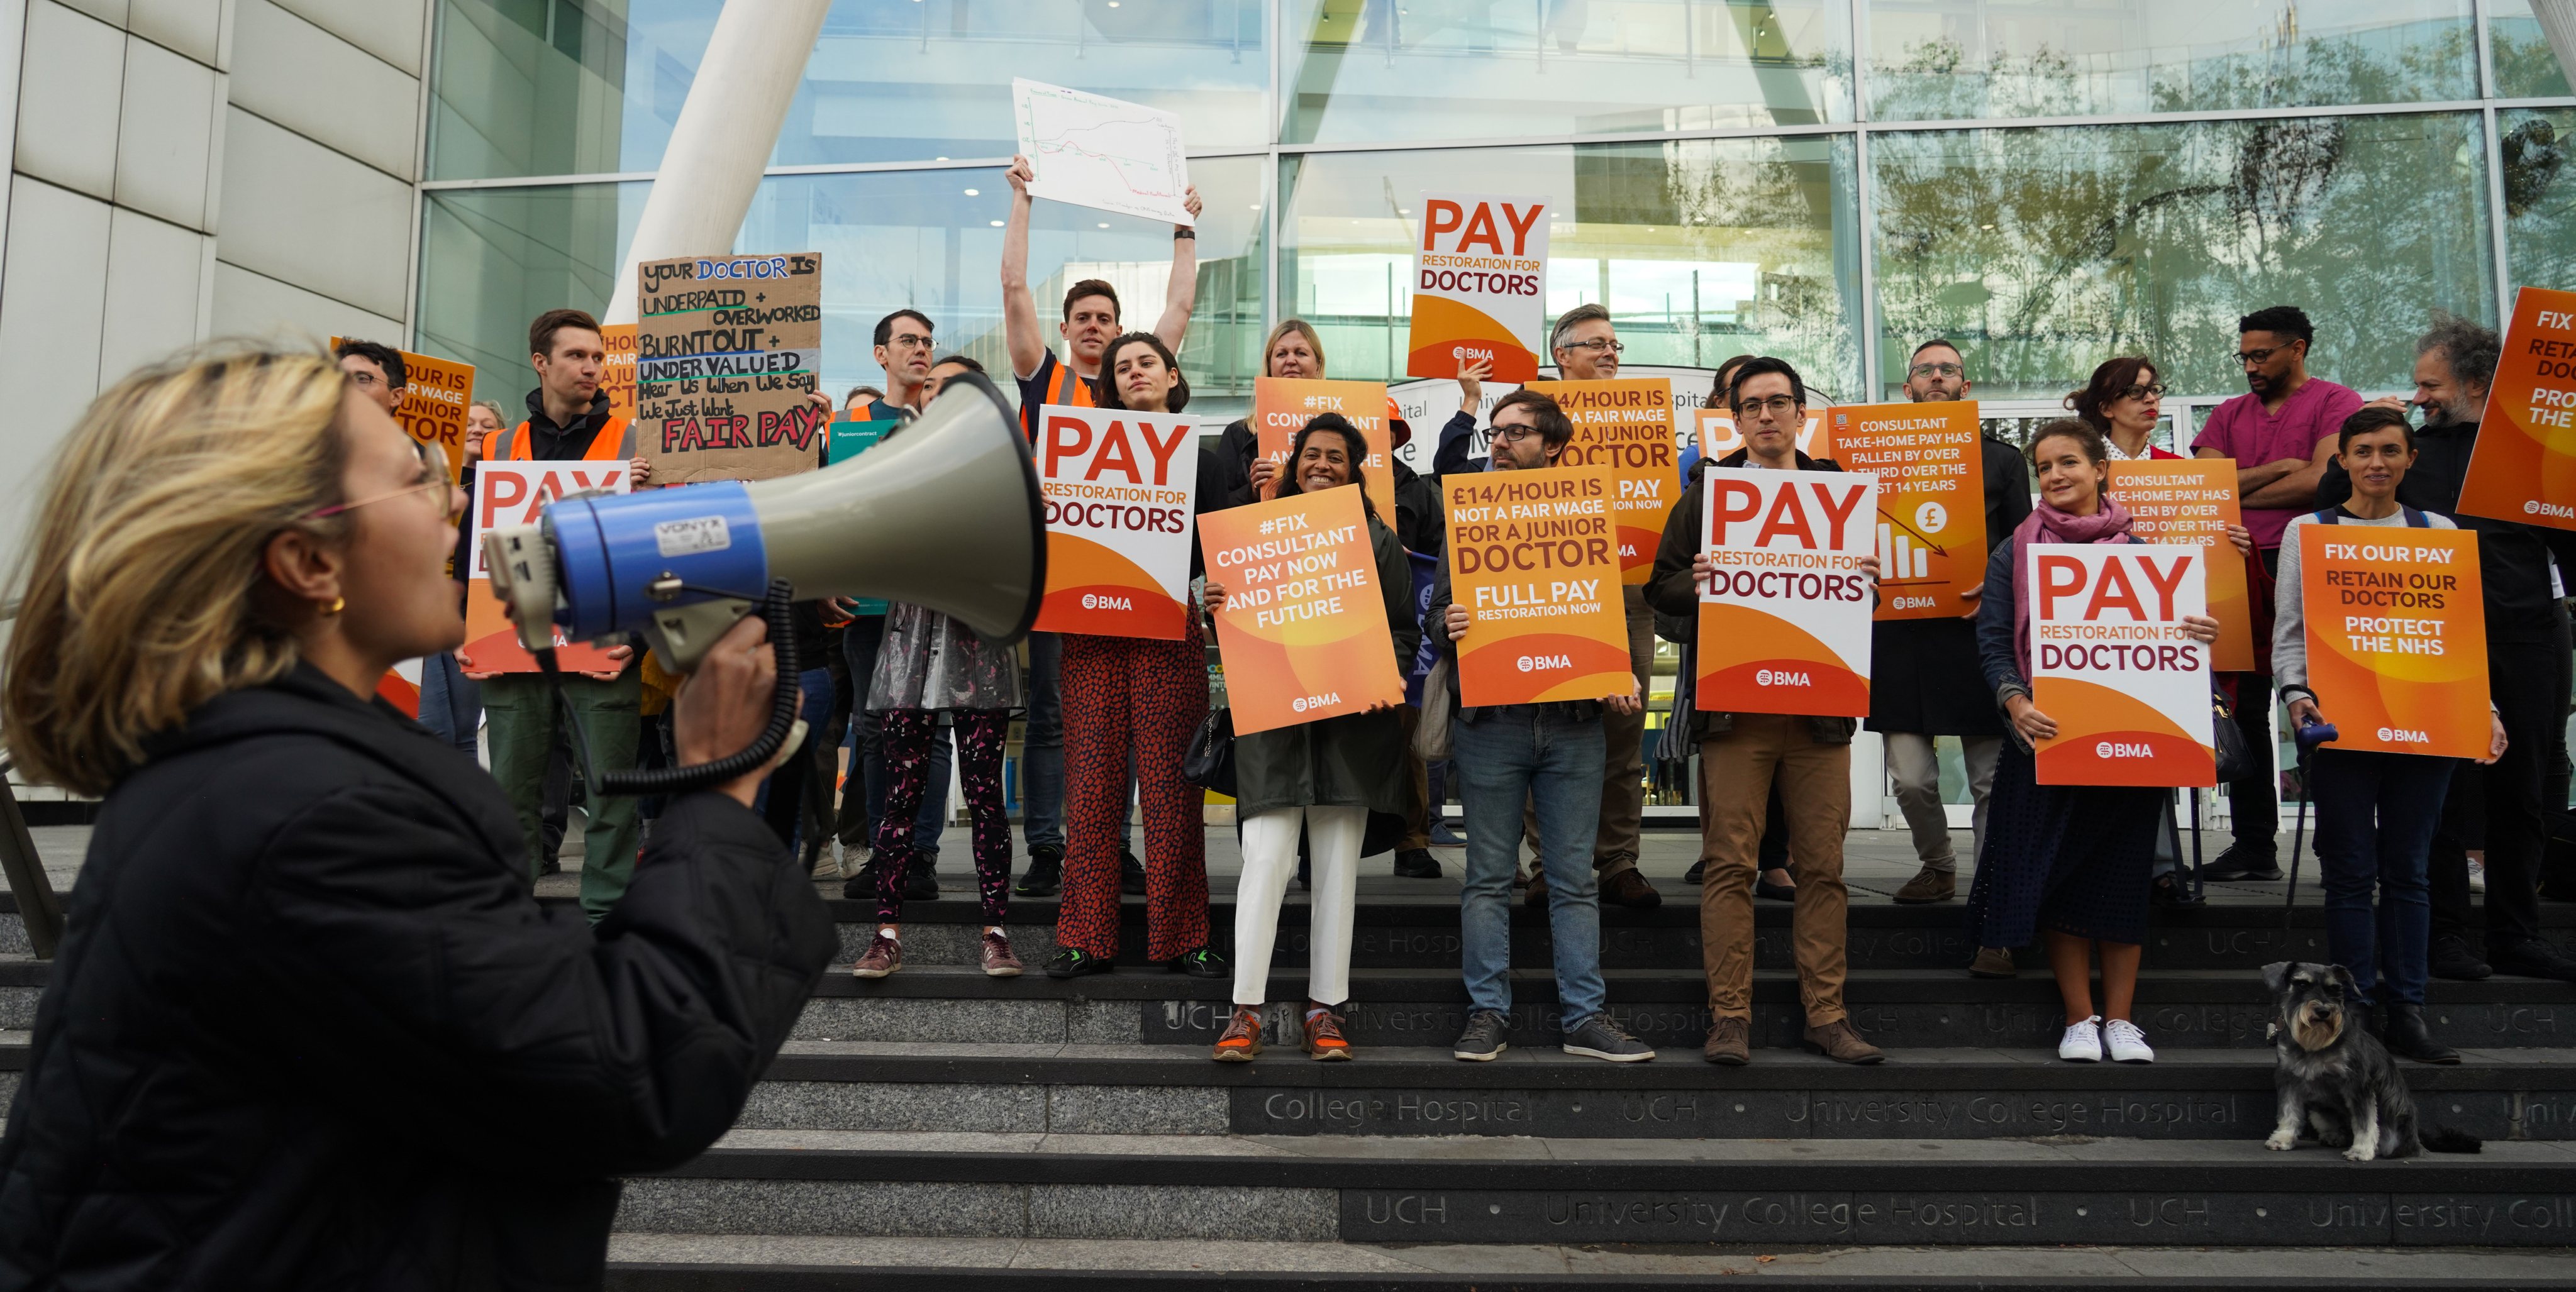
[(2068, 862), (2281, 435), (2376, 812), (2527, 673), (376, 370), (1548, 755), (945, 371), (1324, 778), (1743, 754), (1924, 673), (233, 547), (855, 404), (1136, 701), (2123, 402)]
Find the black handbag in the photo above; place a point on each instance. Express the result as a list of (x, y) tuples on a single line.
[(2235, 761), (1209, 761)]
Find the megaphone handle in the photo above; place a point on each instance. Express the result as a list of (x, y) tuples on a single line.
[(698, 776)]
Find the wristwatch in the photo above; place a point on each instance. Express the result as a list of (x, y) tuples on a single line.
[(1183, 231)]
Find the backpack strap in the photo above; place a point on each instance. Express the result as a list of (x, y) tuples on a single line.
[(2415, 519), (2327, 516)]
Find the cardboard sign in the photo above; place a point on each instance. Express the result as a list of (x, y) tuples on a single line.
[(2194, 501), (850, 438), (1281, 407), (1303, 633), (514, 493), (1713, 429), (1784, 618), (617, 372), (1120, 489), (1626, 426), (727, 353), (2523, 466), (1931, 501), (2397, 638), (1479, 286), (436, 393), (1534, 559), (2109, 662)]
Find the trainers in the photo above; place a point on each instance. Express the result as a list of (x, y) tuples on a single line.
[(1324, 1033), (2244, 861), (827, 862), (1730, 1041), (884, 956), (861, 886), (1627, 888), (1483, 1039), (1072, 962), (1929, 885), (2452, 959), (1993, 962), (2477, 875), (1697, 870), (1416, 863), (1200, 962), (1045, 874), (1600, 1037), (1131, 873), (2533, 958), (997, 957), (2082, 1042), (1444, 837), (920, 881), (2124, 1042), (1241, 1041), (1842, 1043)]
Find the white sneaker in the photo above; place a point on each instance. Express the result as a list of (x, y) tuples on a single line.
[(827, 862), (2126, 1043), (2083, 1042), (2477, 875)]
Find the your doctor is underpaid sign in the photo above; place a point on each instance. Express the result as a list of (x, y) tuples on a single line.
[(1533, 559), (1119, 490), (1303, 634), (2397, 638), (1784, 616), (1479, 284), (2110, 663)]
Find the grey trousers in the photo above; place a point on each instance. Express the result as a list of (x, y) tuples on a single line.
[(1917, 772)]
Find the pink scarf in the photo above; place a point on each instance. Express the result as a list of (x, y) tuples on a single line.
[(2047, 524)]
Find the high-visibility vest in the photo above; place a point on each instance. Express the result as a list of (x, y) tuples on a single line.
[(615, 442), (1064, 388)]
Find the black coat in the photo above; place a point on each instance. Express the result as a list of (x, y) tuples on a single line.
[(1421, 523), (309, 1029), (1924, 673)]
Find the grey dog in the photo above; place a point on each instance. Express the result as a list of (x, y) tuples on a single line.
[(2334, 1076)]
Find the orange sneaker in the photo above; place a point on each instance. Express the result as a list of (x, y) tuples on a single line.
[(1242, 1040), (1324, 1033)]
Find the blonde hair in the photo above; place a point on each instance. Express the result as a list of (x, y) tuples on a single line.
[(1302, 328), (138, 576), (497, 415)]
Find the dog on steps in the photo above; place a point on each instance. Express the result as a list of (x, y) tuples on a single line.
[(2333, 1076)]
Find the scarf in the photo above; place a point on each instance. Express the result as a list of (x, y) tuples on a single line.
[(2046, 524)]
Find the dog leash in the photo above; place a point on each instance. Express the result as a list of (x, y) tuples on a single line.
[(2310, 736)]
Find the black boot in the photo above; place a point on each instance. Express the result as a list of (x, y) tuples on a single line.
[(2452, 959), (2409, 1038)]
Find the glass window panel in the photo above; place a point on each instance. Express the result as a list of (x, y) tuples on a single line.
[(546, 87), (1404, 70), (2043, 252), (2525, 66), (931, 240), (2539, 196), (1934, 60), (1702, 248)]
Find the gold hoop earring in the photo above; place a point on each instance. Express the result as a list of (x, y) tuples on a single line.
[(337, 605)]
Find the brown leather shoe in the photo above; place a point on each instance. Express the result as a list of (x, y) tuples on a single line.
[(1840, 1042), (1929, 885), (1993, 962), (884, 956), (1730, 1041), (1629, 888)]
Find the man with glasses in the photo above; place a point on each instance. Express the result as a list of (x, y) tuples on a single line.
[(1743, 754), (1926, 681), (903, 349), (2282, 434)]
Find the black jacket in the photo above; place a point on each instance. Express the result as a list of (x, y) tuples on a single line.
[(2513, 558), (309, 1029), (1421, 524), (1924, 673)]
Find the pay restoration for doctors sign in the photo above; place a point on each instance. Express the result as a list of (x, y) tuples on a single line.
[(1784, 615), (1120, 489), (2111, 665), (1479, 284)]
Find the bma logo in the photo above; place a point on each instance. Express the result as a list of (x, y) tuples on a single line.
[(1541, 663), (2558, 509), (1304, 702), (1780, 677), (2401, 736), (1098, 601), (2122, 749)]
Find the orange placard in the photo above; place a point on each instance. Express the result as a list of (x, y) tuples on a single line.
[(1479, 284), (1784, 617), (1626, 426), (2523, 467), (1303, 634), (1281, 407), (436, 393), (1531, 557), (617, 372), (509, 494), (2397, 638), (1931, 500), (2110, 664), (1119, 488), (2194, 501)]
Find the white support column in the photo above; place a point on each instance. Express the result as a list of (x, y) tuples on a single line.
[(721, 144), (2558, 25)]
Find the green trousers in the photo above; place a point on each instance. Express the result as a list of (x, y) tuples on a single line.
[(522, 718)]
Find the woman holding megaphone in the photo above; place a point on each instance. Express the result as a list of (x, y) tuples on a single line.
[(308, 1025)]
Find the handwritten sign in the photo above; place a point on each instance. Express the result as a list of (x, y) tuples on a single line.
[(1532, 556), (1281, 407), (2110, 663), (436, 393), (2523, 466), (1784, 616), (2194, 501), (1627, 426), (510, 494), (727, 354), (2397, 638), (1120, 488), (1303, 633), (1479, 283)]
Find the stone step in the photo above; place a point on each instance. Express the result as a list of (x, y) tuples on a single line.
[(1454, 1190)]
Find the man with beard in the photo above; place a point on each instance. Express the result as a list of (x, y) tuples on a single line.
[(2527, 671), (2282, 435)]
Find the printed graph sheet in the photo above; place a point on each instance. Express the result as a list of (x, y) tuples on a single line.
[(1102, 153)]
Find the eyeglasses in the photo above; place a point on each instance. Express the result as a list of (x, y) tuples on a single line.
[(910, 341), (364, 378), (1596, 344), (1776, 406), (2151, 391), (2255, 358), (1515, 434), (1936, 370), (434, 477)]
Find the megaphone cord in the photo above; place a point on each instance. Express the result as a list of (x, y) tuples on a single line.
[(698, 776)]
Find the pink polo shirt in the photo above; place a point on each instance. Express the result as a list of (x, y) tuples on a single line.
[(2240, 429)]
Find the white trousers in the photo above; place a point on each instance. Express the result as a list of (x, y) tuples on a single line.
[(1333, 837)]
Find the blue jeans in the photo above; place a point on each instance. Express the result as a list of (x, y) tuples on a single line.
[(2376, 814), (451, 704), (859, 643), (1508, 757), (1042, 748)]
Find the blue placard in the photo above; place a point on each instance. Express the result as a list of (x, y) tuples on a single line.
[(850, 438)]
